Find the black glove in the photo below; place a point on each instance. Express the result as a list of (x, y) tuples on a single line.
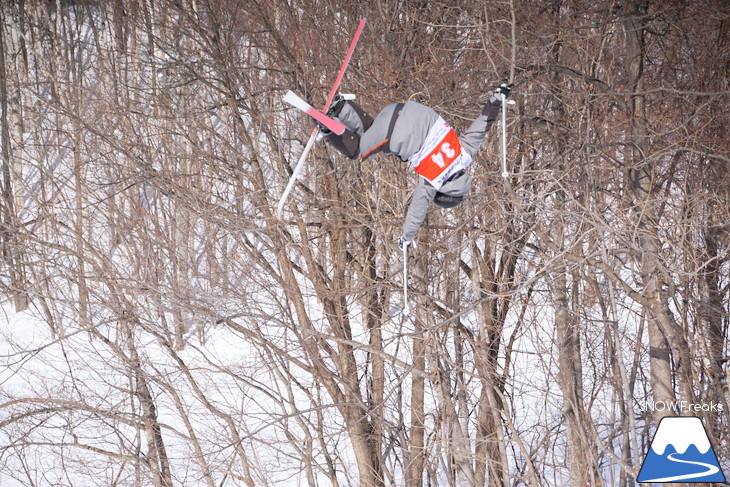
[(503, 91), (491, 108)]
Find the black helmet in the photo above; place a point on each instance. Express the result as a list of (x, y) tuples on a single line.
[(445, 201)]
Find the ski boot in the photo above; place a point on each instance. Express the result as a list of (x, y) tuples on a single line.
[(338, 102)]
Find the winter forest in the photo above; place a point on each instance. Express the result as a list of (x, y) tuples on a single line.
[(160, 326)]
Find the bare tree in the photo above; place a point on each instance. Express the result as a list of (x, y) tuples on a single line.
[(179, 333)]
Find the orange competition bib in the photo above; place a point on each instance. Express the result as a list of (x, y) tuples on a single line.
[(441, 155)]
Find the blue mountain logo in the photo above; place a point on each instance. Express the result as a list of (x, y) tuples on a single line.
[(681, 452)]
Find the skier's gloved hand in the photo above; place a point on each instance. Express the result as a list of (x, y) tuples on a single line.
[(503, 92), (402, 242), (500, 96)]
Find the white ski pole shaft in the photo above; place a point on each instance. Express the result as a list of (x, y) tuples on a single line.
[(505, 174), (295, 175), (406, 308)]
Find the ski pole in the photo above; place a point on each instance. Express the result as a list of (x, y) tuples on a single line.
[(406, 308), (505, 174), (295, 174)]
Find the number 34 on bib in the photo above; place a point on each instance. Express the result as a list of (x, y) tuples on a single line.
[(444, 158)]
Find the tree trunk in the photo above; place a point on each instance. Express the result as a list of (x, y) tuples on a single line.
[(11, 140), (666, 338), (156, 452), (581, 467), (416, 459), (490, 449)]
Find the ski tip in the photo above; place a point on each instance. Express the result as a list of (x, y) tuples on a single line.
[(295, 100), (289, 95)]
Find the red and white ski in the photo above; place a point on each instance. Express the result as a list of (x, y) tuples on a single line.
[(307, 148), (292, 99)]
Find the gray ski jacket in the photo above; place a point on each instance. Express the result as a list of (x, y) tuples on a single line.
[(408, 133)]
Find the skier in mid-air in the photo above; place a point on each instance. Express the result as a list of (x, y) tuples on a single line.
[(417, 134)]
